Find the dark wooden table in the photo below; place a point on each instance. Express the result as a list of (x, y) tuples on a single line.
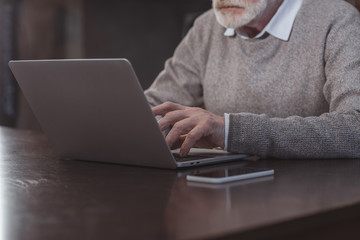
[(43, 197)]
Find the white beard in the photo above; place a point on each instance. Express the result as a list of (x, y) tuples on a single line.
[(235, 21)]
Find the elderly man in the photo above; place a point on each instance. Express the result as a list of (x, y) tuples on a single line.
[(274, 78)]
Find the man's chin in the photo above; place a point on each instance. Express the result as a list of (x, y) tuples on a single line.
[(228, 19), (229, 23)]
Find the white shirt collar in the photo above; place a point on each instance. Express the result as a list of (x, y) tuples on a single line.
[(280, 25)]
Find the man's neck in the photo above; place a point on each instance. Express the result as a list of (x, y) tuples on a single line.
[(258, 24)]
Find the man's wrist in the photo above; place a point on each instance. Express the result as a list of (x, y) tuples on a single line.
[(227, 122)]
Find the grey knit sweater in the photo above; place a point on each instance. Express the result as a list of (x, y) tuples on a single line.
[(294, 99)]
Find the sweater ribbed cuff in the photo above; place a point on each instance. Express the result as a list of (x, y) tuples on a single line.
[(248, 133)]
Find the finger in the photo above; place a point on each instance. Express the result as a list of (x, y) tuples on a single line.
[(179, 142), (180, 128), (171, 118), (191, 139), (166, 107)]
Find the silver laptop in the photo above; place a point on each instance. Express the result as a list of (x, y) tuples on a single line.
[(95, 110)]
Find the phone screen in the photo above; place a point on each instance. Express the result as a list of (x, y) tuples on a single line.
[(230, 172)]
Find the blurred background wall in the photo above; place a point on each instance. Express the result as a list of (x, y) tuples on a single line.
[(144, 31)]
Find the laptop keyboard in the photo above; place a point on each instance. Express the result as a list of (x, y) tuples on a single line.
[(189, 157)]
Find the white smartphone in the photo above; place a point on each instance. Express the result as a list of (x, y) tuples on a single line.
[(229, 174)]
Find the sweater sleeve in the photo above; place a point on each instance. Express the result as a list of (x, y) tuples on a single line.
[(335, 134), (180, 81)]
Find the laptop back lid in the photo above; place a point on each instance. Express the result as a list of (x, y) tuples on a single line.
[(93, 109)]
